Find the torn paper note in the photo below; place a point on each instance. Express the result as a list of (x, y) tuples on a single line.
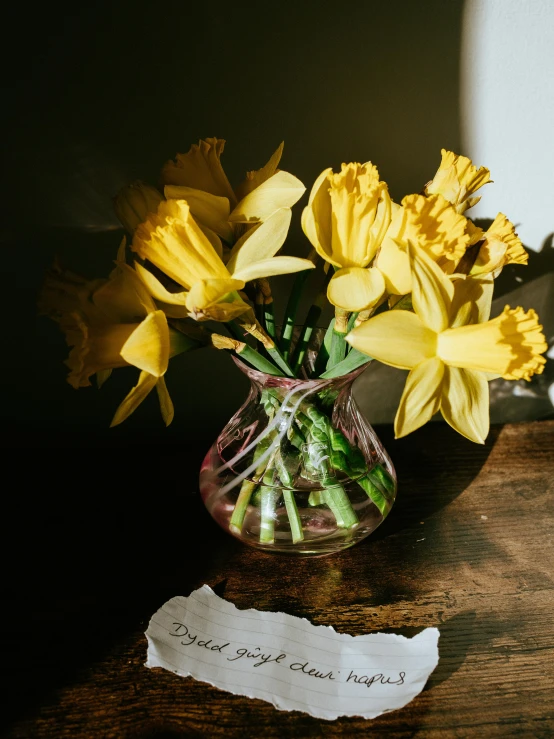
[(286, 660)]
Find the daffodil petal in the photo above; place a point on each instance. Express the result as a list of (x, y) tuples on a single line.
[(261, 242), (317, 218), (492, 256), (273, 266), (157, 290), (210, 210), (121, 252), (355, 288), (308, 226), (213, 238), (397, 337), (205, 293), (282, 190), (148, 346), (144, 385), (394, 264), (465, 402), (166, 404), (102, 376), (255, 178), (432, 291), (123, 298), (200, 168), (472, 301), (421, 397), (174, 311)]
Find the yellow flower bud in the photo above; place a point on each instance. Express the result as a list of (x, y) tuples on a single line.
[(134, 203)]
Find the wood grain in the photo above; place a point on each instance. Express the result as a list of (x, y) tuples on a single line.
[(467, 547)]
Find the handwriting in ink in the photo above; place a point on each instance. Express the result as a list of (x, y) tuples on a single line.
[(378, 678), (303, 667), (188, 639), (182, 632), (261, 659)]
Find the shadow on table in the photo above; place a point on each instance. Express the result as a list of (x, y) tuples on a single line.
[(91, 558), (457, 635), (91, 561), (431, 474)]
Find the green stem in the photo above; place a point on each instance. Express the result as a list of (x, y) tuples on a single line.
[(338, 345), (293, 515), (324, 350), (267, 508), (333, 493), (279, 360), (258, 361), (315, 498), (241, 506), (337, 500), (246, 490), (303, 342), (244, 351), (269, 317), (351, 321), (290, 312), (258, 332), (352, 361)]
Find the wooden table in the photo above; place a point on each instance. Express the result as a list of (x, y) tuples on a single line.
[(467, 548)]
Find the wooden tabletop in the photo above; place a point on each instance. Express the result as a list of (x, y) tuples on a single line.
[(120, 529)]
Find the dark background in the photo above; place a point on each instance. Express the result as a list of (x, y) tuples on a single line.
[(100, 94)]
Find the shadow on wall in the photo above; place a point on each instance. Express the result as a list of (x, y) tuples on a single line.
[(120, 89)]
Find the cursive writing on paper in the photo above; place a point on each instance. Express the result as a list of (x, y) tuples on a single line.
[(288, 661)]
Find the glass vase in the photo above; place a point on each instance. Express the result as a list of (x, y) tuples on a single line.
[(298, 469)]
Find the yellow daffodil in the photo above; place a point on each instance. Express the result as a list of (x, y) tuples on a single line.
[(134, 203), (457, 179), (432, 224), (63, 292), (450, 357), (113, 323), (345, 220), (500, 246), (198, 177), (174, 242)]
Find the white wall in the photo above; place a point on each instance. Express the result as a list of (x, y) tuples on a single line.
[(507, 109)]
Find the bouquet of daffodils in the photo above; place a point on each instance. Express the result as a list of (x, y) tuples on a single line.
[(411, 284)]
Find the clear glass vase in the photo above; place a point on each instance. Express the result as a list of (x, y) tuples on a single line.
[(298, 469)]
